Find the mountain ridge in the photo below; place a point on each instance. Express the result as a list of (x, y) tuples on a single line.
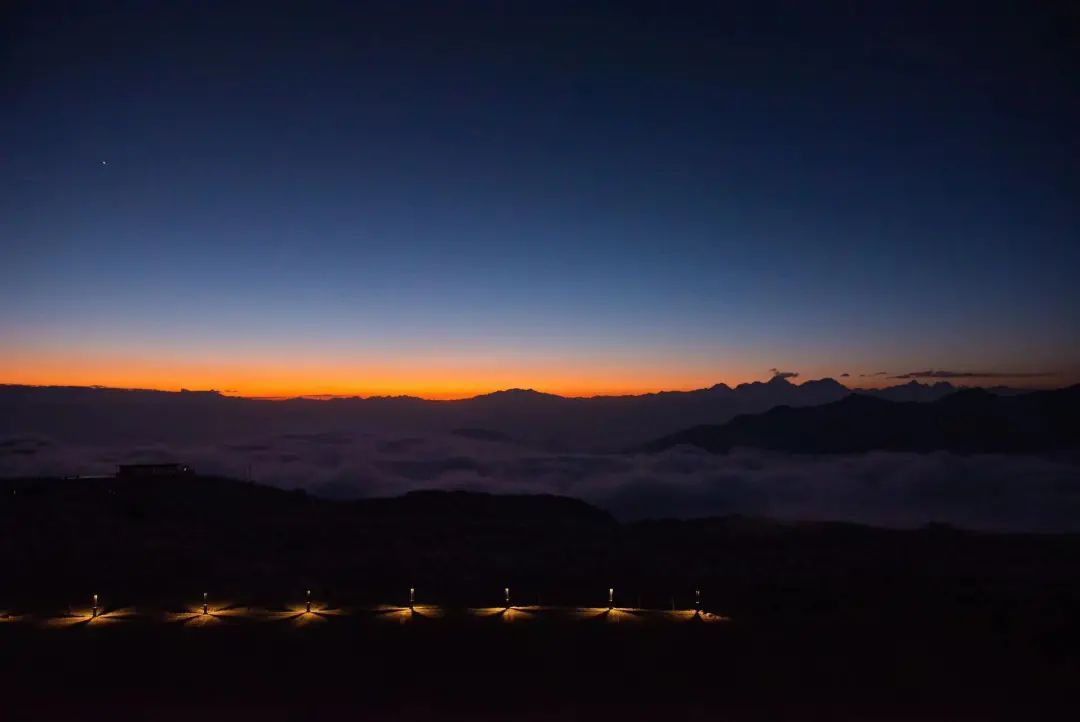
[(777, 382), (967, 420), (532, 418)]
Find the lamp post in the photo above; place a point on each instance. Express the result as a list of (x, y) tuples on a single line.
[(307, 606), (506, 594), (611, 598), (412, 599), (94, 608), (697, 601), (205, 604)]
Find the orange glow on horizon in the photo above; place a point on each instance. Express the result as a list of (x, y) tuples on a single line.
[(285, 380), (281, 376), (432, 391)]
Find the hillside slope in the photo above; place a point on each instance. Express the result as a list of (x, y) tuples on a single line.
[(967, 421)]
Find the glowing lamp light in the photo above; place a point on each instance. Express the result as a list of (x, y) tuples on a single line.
[(205, 605), (308, 605), (412, 598), (697, 600), (611, 598), (506, 594), (94, 608)]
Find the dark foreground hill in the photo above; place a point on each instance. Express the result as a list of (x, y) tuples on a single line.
[(173, 538), (971, 420), (828, 621)]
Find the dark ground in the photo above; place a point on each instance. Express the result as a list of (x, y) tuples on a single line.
[(827, 621)]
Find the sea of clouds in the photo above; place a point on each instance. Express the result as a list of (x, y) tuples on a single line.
[(982, 491)]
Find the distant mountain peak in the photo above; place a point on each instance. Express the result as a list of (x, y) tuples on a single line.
[(517, 393), (827, 381)]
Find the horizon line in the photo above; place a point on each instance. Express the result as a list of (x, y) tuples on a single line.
[(464, 396)]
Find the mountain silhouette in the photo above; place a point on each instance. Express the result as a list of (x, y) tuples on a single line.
[(92, 415), (969, 420)]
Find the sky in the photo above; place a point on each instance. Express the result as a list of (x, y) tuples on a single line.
[(444, 199)]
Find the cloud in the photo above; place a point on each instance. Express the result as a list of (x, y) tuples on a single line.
[(777, 374), (983, 491), (876, 373), (844, 375), (939, 374)]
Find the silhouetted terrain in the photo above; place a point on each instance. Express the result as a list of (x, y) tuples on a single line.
[(837, 620), (98, 415), (170, 538), (971, 420)]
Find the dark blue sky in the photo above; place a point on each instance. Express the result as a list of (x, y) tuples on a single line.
[(583, 197)]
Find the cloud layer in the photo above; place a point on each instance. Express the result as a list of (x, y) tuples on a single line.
[(893, 489)]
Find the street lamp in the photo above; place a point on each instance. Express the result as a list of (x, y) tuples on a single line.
[(697, 601), (506, 594), (412, 599), (94, 609), (611, 598), (308, 606), (205, 605)]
